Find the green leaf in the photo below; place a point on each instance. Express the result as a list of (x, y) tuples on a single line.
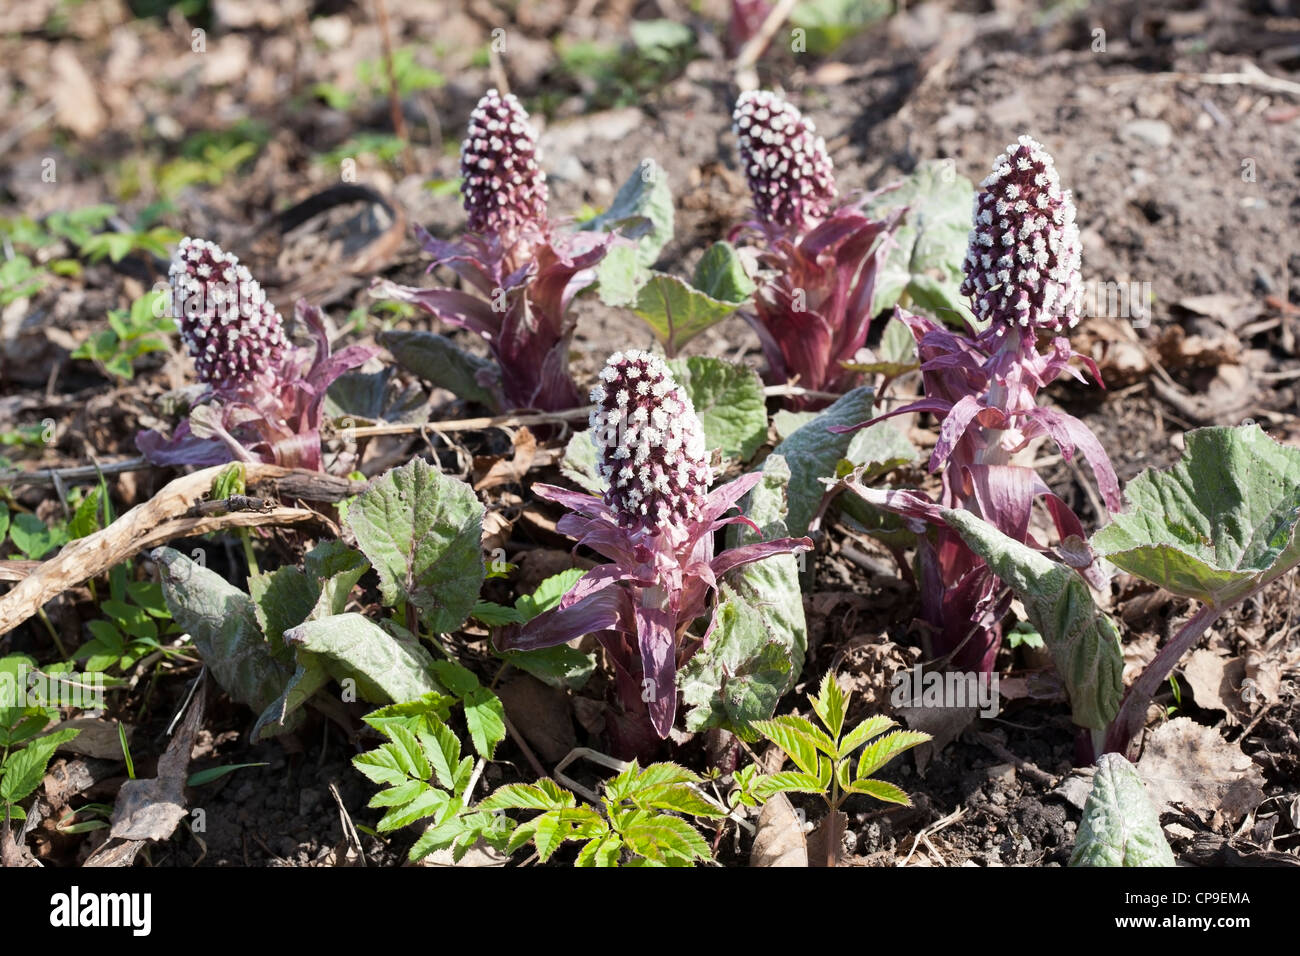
[(548, 593), (85, 519), (435, 358), (740, 675), (925, 264), (422, 531), (485, 715), (859, 735), (721, 275), (442, 749), (770, 784), (429, 803), (282, 598), (771, 586), (560, 666), (677, 312), (1120, 827), (222, 621), (665, 839), (1083, 640), (30, 536), (309, 676), (645, 195), (495, 615), (216, 773), (792, 737), (829, 23), (814, 451), (881, 448), (387, 667), (457, 678), (579, 464), (420, 712), (543, 795), (881, 790), (880, 752), (728, 399), (1219, 524), (4, 521), (829, 704), (25, 769)]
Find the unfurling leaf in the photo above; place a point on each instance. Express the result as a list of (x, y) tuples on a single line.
[(1120, 827)]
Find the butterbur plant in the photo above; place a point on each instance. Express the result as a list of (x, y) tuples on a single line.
[(656, 525), (819, 258), (520, 270), (1022, 275), (262, 394)]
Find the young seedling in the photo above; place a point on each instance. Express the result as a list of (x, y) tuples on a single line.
[(824, 758), (1022, 275), (812, 308), (656, 524), (263, 395)]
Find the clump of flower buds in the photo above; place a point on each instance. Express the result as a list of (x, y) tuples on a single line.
[(226, 322), (650, 443), (264, 395), (789, 171), (503, 186), (1022, 265)]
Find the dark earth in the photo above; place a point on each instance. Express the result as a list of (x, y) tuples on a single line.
[(1179, 135)]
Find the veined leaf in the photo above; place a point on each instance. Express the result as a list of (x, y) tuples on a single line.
[(881, 790), (787, 781), (422, 531), (880, 752), (1219, 524), (1083, 640), (1120, 827), (871, 727), (829, 705), (386, 667), (728, 399), (797, 745)]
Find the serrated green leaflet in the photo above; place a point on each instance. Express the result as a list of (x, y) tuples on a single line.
[(1219, 524), (422, 532), (1120, 827), (728, 400), (1083, 640)]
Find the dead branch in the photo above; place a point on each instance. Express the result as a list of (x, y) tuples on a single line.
[(166, 516)]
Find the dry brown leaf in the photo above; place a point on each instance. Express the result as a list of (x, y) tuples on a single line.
[(151, 809), (98, 738), (943, 724), (779, 840), (1188, 763), (1216, 681)]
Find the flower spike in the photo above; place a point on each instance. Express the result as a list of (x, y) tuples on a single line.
[(650, 443), (790, 173), (1022, 265), (227, 323), (504, 187)]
